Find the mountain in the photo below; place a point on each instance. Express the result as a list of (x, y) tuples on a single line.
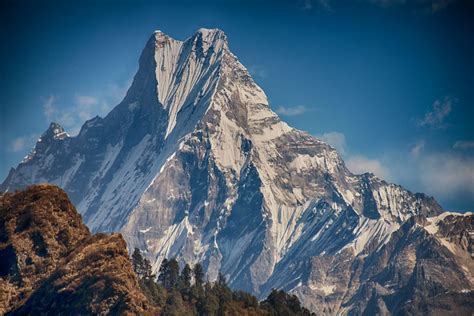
[(194, 164), (51, 264)]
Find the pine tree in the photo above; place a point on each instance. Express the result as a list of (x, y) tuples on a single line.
[(174, 305), (185, 277), (147, 272), (163, 277), (222, 292), (173, 273), (198, 275), (221, 280), (137, 262)]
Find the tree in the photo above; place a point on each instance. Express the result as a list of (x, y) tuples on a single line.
[(147, 272), (169, 273), (174, 305), (222, 292), (163, 276), (185, 277), (198, 275), (173, 273), (247, 299), (221, 280), (279, 302), (184, 283), (137, 262)]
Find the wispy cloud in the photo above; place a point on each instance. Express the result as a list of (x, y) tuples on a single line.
[(22, 143), (82, 107), (48, 106), (415, 6), (446, 175), (359, 164), (464, 144), (356, 163), (307, 5), (336, 140), (258, 71), (418, 148), (418, 6), (435, 118), (291, 110)]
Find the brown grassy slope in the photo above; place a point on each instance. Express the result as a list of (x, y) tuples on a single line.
[(50, 263)]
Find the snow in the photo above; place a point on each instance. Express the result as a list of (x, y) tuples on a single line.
[(211, 101), (183, 78), (369, 230), (145, 230), (433, 227), (327, 289)]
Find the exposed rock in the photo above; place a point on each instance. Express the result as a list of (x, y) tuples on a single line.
[(51, 264), (194, 164)]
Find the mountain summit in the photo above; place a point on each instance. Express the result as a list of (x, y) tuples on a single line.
[(194, 164)]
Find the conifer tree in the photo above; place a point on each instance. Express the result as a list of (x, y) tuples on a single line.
[(147, 272), (173, 273), (185, 277), (198, 275), (163, 277), (137, 262)]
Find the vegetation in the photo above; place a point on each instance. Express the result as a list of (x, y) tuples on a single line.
[(185, 292)]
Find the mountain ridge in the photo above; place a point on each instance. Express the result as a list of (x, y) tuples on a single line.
[(194, 164)]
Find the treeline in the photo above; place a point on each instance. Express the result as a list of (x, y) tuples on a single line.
[(186, 292)]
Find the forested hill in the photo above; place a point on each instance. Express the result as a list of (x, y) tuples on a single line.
[(186, 292)]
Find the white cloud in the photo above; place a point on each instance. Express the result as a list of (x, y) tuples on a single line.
[(359, 164), (418, 148), (356, 163), (48, 106), (83, 107), (85, 100), (258, 71), (440, 110), (291, 110), (86, 106), (446, 176), (17, 144), (464, 144), (336, 140)]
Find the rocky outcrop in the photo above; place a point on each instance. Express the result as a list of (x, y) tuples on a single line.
[(425, 268), (51, 264)]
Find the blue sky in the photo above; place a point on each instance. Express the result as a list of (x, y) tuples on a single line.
[(388, 82)]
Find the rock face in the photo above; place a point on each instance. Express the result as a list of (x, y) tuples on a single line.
[(52, 265), (421, 269), (194, 164)]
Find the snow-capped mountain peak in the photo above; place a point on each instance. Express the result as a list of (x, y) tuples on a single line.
[(194, 164)]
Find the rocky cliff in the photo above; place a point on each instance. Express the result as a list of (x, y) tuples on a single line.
[(51, 264)]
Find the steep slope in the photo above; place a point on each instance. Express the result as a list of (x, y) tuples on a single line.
[(426, 267), (51, 263), (194, 164)]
